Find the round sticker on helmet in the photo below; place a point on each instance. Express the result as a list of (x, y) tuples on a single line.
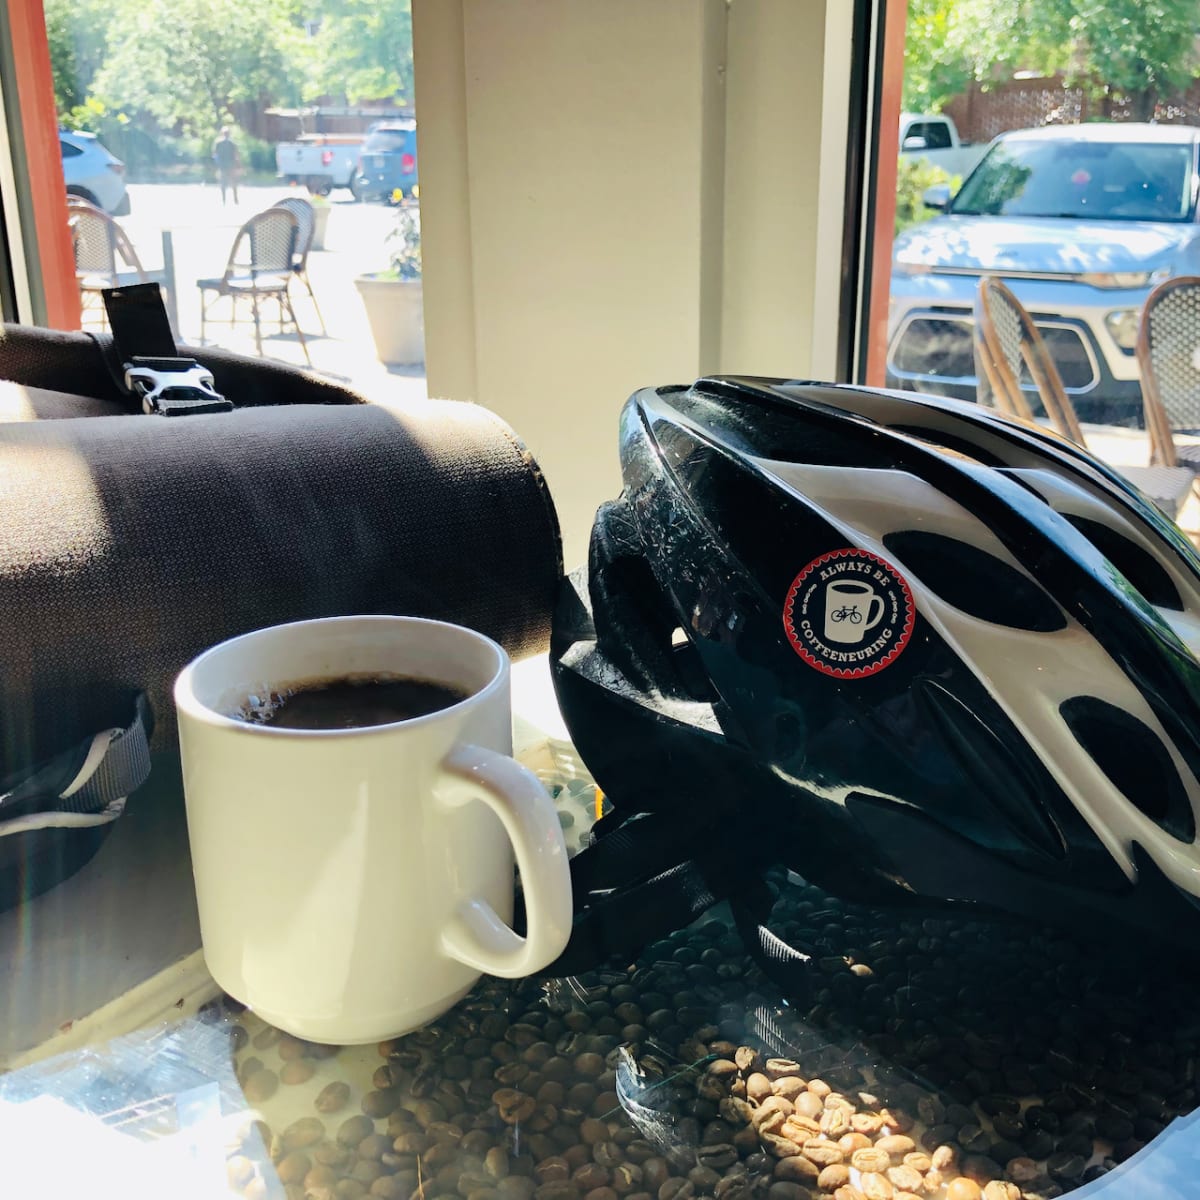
[(849, 614)]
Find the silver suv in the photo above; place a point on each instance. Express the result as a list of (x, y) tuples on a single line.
[(91, 172), (1081, 222)]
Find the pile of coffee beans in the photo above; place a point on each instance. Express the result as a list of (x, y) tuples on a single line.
[(934, 1056)]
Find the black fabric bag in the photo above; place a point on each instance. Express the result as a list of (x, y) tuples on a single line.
[(130, 542)]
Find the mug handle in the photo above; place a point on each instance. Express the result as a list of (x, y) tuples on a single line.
[(873, 621), (476, 935)]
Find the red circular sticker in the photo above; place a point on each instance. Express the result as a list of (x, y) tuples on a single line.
[(849, 614)]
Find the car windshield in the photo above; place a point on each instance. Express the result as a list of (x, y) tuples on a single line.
[(387, 141), (1087, 180)]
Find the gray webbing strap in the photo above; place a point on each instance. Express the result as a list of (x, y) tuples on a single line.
[(86, 785)]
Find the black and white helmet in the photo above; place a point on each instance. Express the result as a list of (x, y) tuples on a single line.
[(899, 644)]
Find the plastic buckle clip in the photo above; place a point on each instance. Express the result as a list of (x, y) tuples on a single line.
[(174, 387)]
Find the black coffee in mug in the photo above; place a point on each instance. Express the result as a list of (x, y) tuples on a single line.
[(350, 702)]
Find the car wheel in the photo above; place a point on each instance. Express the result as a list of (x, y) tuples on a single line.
[(319, 187), (360, 187)]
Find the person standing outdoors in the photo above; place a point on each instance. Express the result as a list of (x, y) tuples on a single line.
[(225, 155)]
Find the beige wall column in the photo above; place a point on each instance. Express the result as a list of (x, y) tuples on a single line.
[(614, 195), (785, 169)]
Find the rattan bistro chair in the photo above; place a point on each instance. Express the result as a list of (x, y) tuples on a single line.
[(259, 266), (1168, 352), (1005, 339), (104, 256), (306, 223)]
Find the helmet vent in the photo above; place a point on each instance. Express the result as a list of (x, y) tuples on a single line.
[(1134, 759), (976, 582), (1136, 564)]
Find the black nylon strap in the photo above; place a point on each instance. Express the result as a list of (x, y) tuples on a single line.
[(124, 767), (787, 968)]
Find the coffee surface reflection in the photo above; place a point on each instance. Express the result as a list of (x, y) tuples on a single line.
[(350, 703)]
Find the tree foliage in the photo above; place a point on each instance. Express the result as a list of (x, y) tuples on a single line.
[(362, 50), (186, 62), (1143, 49), (182, 67)]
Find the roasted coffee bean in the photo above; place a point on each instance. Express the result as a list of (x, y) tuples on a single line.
[(718, 1156), (266, 1037), (260, 1085), (353, 1130), (608, 1154), (292, 1168), (783, 1189), (380, 1103), (299, 1070), (307, 1131), (677, 1189), (1065, 1165), (332, 1097)]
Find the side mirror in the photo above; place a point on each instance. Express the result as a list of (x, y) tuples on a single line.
[(937, 197), (914, 142)]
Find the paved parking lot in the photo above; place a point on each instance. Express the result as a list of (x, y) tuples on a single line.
[(202, 231)]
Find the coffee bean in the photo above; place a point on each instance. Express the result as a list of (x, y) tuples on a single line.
[(353, 1130), (305, 1132), (677, 1189), (1065, 1165), (1001, 1189), (380, 1103), (963, 1188), (299, 1070), (292, 1168), (874, 1186), (260, 1085), (332, 1097), (513, 1106), (872, 1159), (783, 1189), (266, 1038)]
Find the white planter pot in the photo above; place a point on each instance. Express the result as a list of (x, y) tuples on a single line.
[(396, 314), (320, 220)]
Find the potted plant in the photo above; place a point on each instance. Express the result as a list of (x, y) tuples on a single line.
[(393, 298)]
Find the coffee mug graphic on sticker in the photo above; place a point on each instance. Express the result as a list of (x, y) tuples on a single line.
[(354, 817), (851, 610)]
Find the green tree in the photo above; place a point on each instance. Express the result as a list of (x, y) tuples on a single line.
[(185, 62), (1143, 49), (362, 50), (77, 31)]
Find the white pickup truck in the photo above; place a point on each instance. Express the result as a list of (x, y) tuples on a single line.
[(320, 161), (934, 138)]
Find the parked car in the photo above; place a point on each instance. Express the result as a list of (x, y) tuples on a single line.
[(320, 161), (1081, 222), (92, 173), (934, 138), (387, 168)]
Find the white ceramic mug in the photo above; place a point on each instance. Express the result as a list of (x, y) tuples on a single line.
[(353, 884)]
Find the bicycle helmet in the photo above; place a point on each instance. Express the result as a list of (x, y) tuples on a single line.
[(900, 644)]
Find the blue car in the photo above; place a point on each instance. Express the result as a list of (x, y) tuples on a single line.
[(1081, 221), (387, 166)]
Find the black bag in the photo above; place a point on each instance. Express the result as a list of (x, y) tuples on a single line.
[(131, 542)]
